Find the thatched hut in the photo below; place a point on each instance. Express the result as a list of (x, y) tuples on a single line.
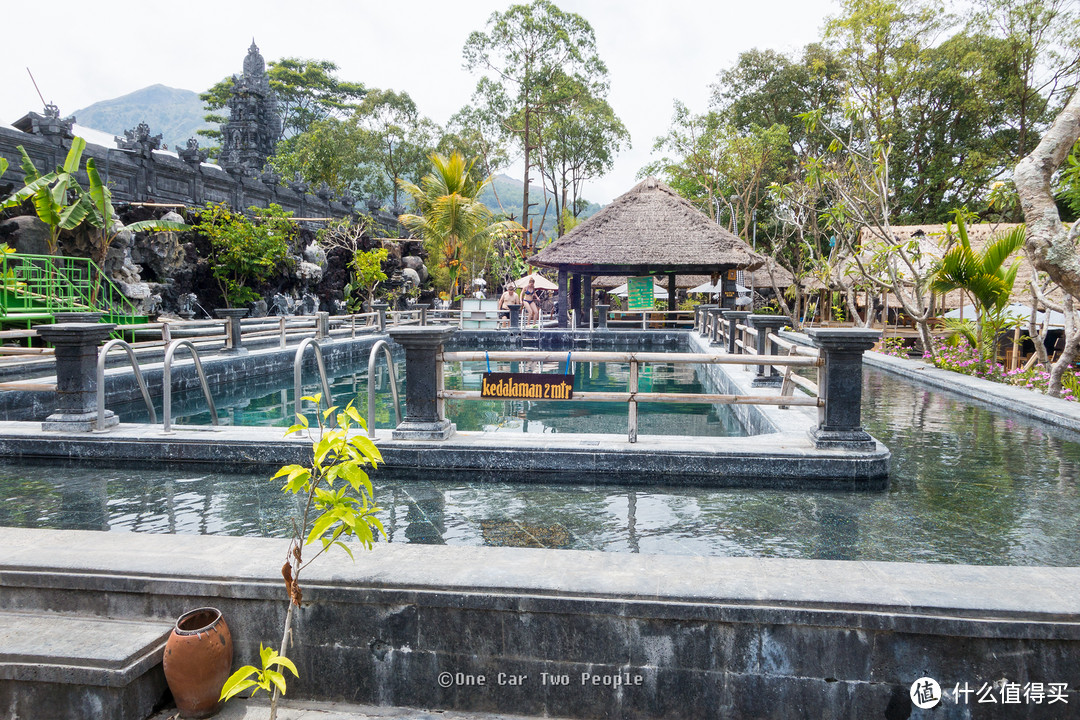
[(649, 230)]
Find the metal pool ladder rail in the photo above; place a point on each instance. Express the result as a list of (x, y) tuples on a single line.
[(372, 359), (297, 375), (101, 381), (166, 408)]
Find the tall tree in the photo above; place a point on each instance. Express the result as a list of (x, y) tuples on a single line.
[(395, 141), (538, 57)]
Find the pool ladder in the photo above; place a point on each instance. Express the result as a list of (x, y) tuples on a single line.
[(170, 351), (372, 360)]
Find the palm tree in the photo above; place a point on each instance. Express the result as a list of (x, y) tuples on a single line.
[(456, 227), (983, 275)]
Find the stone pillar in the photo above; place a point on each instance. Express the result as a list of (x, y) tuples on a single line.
[(381, 309), (322, 326), (423, 312), (424, 419), (233, 340), (562, 299), (703, 322), (671, 300), (767, 376), (515, 315), (734, 317), (76, 355), (727, 291), (714, 322), (601, 314), (840, 387)]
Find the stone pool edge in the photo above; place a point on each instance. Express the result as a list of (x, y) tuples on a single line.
[(746, 636)]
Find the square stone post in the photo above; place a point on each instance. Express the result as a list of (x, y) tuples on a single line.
[(515, 315), (381, 309), (563, 298), (601, 316), (734, 317), (840, 387), (767, 376), (322, 326), (234, 343), (714, 326), (76, 356), (423, 312), (575, 296), (424, 418)]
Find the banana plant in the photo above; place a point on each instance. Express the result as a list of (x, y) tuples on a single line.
[(102, 217), (58, 199)]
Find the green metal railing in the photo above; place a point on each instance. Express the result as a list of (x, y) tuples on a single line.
[(33, 288)]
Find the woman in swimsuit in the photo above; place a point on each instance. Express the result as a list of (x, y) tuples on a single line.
[(528, 299)]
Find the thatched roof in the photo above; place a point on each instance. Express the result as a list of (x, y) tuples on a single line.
[(648, 230), (935, 240)]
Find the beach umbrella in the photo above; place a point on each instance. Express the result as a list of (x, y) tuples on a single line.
[(706, 287), (542, 283)]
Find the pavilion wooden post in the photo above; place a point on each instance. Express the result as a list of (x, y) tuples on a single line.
[(575, 296), (586, 298), (671, 304), (561, 317)]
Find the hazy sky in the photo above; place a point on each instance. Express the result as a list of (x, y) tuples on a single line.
[(656, 51)]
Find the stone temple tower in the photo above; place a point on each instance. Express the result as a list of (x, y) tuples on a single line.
[(254, 125)]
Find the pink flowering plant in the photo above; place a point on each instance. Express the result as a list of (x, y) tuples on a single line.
[(962, 357)]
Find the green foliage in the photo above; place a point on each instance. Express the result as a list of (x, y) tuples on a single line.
[(536, 60), (393, 142), (338, 502), (326, 152), (457, 229), (245, 251), (265, 677), (308, 92), (59, 201), (985, 276), (367, 274)]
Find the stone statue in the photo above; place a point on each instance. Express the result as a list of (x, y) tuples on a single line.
[(185, 305), (283, 305)]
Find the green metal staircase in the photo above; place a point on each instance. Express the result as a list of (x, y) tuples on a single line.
[(33, 288)]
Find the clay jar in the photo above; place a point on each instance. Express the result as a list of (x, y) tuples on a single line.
[(198, 657)]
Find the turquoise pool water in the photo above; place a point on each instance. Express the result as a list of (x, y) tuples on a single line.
[(969, 485), (267, 404)]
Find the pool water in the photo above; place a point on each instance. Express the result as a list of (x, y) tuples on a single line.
[(969, 485), (272, 404)]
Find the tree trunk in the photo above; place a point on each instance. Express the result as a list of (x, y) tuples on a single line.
[(1069, 353)]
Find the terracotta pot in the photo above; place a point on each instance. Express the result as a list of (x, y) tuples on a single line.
[(198, 658)]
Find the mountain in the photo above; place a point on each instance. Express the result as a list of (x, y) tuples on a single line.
[(174, 113), (509, 193)]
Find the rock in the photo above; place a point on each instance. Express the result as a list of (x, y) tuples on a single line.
[(138, 291), (315, 255), (160, 253), (30, 235), (308, 273), (410, 277)]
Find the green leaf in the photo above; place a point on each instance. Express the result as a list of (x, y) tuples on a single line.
[(285, 662), (74, 156), (238, 682), (277, 678)]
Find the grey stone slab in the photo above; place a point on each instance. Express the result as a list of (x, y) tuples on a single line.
[(46, 647)]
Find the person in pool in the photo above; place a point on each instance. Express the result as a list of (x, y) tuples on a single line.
[(531, 301)]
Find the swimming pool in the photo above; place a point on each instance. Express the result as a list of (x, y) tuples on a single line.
[(270, 402), (969, 485)]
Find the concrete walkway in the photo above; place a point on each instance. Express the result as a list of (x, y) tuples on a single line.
[(259, 709)]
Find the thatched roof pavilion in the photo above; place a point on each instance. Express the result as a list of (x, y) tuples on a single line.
[(649, 230)]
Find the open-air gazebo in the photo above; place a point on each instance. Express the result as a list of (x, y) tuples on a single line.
[(649, 230)]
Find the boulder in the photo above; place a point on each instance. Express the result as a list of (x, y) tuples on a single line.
[(28, 235), (160, 253), (315, 255), (308, 273)]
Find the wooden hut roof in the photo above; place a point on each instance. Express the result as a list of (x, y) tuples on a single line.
[(648, 230)]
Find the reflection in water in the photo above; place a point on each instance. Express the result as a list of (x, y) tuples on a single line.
[(968, 486)]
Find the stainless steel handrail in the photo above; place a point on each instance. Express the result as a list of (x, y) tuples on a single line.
[(297, 374), (116, 342), (372, 359), (166, 402)]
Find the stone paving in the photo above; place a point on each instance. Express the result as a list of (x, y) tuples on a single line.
[(259, 709)]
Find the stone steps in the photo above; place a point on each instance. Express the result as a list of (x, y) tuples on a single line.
[(81, 667)]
